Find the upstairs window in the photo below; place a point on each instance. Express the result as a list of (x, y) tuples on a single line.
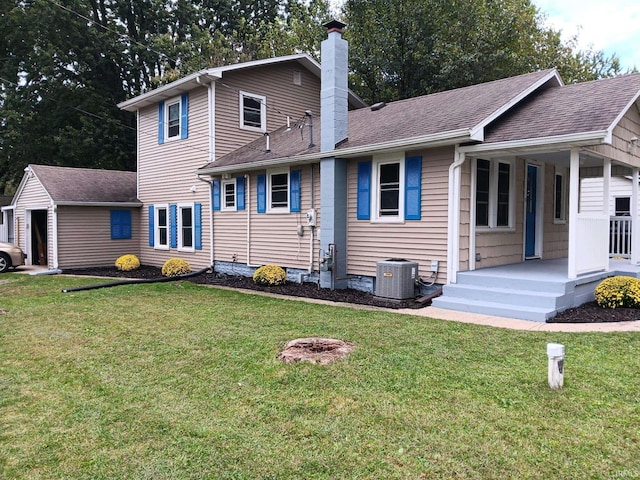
[(494, 193), (253, 113), (173, 119)]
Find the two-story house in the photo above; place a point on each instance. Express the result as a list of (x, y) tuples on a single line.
[(192, 121)]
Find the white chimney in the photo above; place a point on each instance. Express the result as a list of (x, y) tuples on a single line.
[(334, 88)]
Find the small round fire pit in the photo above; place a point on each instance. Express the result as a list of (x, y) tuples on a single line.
[(322, 351)]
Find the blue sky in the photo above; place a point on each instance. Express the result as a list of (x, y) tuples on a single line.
[(612, 26)]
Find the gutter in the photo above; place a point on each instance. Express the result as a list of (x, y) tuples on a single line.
[(97, 204), (541, 144)]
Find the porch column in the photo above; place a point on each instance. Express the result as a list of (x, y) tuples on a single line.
[(453, 227), (635, 222), (574, 191), (606, 186)]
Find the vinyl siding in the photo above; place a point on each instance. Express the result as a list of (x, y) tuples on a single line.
[(591, 193), (556, 233), (505, 247), (84, 237), (273, 237), (166, 175), (416, 240), (33, 196), (627, 128), (275, 82)]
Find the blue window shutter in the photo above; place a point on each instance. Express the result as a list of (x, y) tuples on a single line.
[(294, 190), (364, 191), (240, 193), (161, 123), (215, 186), (120, 224), (173, 220), (197, 221), (151, 226), (262, 193), (116, 229), (184, 116), (412, 188)]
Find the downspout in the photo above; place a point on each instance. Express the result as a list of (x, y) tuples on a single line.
[(311, 228), (453, 229), (635, 226), (210, 183)]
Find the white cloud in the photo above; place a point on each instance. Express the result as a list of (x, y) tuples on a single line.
[(611, 27)]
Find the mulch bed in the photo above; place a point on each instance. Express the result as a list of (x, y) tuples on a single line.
[(307, 290), (587, 313)]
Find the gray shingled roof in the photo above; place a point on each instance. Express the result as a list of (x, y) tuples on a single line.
[(450, 111), (85, 185), (570, 109)]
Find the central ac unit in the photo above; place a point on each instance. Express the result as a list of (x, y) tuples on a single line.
[(396, 278)]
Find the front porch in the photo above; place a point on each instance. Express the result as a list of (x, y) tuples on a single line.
[(532, 290)]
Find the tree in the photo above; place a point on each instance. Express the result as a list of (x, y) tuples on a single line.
[(406, 48)]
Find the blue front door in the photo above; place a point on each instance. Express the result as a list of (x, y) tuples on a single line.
[(530, 221)]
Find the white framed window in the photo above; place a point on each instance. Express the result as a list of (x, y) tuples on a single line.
[(253, 112), (622, 206), (559, 198), (387, 201), (172, 115), (186, 231), (278, 191), (161, 222), (228, 191), (494, 194)]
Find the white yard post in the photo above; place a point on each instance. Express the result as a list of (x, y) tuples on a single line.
[(555, 352)]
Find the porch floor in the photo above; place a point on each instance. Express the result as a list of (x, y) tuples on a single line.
[(531, 290)]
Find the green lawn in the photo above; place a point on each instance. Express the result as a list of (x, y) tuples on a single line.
[(179, 381)]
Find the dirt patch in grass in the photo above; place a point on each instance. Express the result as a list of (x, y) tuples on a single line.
[(587, 313)]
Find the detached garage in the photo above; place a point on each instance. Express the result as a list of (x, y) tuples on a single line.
[(76, 217)]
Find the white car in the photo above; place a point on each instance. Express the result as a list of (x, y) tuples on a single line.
[(10, 256)]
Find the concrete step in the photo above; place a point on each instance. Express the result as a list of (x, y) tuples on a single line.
[(506, 296), (499, 281), (536, 314)]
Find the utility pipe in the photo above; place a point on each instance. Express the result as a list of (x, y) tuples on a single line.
[(140, 280)]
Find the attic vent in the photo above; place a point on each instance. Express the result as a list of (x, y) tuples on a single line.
[(297, 77), (378, 106)]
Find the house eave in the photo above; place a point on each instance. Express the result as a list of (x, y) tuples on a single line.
[(170, 90), (539, 145), (98, 204)]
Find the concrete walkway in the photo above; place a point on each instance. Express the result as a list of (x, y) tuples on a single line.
[(450, 315)]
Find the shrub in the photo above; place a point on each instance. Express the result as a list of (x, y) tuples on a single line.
[(127, 263), (270, 275), (619, 291), (175, 266)]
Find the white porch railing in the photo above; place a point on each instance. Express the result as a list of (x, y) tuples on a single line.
[(592, 249), (620, 237)]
